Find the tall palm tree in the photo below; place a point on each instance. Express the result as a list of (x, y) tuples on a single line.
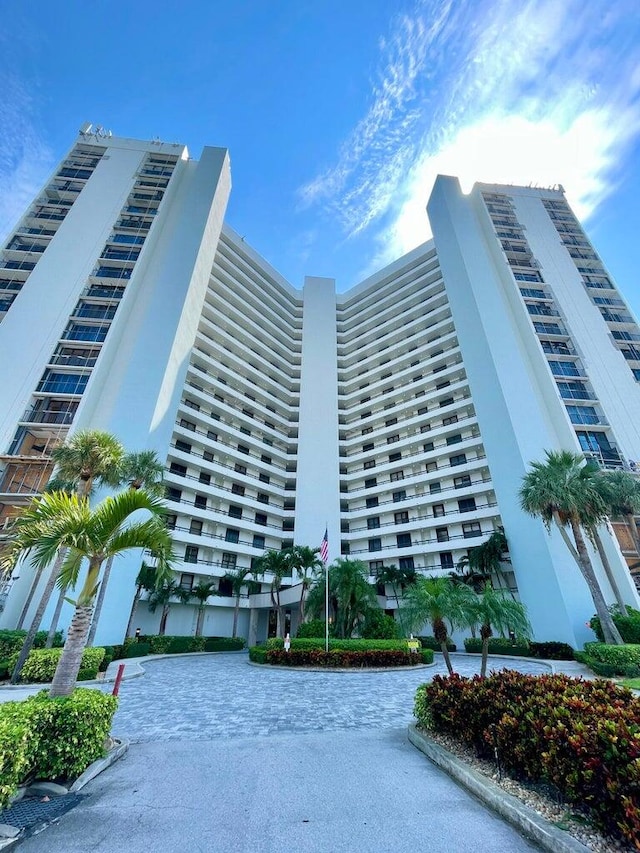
[(350, 596), (145, 581), (88, 457), (306, 563), (485, 560), (398, 579), (276, 564), (55, 521), (238, 580), (563, 490), (621, 493), (201, 592), (437, 600), (493, 609), (140, 470), (164, 596)]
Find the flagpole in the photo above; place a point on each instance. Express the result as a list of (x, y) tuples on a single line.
[(326, 606)]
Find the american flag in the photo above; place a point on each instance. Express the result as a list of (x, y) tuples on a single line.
[(324, 546)]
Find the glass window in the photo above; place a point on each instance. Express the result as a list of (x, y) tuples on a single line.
[(195, 527), (232, 535), (403, 540), (458, 459), (434, 488), (471, 529), (375, 544), (454, 439), (200, 501), (369, 463), (258, 541), (235, 511), (394, 457), (428, 446), (399, 496), (191, 554), (401, 517), (186, 581), (261, 518), (237, 489), (406, 563), (438, 510), (205, 478), (370, 482), (446, 560), (371, 502), (373, 522), (461, 482), (442, 534), (396, 475), (229, 561), (466, 504)]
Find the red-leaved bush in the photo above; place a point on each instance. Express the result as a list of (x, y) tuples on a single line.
[(582, 736), (342, 658)]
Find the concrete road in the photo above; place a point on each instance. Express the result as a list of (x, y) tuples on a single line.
[(357, 791)]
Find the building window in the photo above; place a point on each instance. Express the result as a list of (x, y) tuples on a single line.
[(229, 561), (171, 521), (428, 446), (367, 447), (442, 385), (458, 459), (186, 581), (435, 488), (264, 478), (195, 527), (205, 478), (471, 529), (187, 425), (263, 498), (235, 511), (403, 540), (438, 510), (442, 534), (446, 401), (396, 475), (191, 554), (266, 459), (432, 466), (406, 563), (258, 541), (461, 482), (200, 501), (225, 587), (370, 482), (191, 404), (176, 468), (373, 522), (375, 544), (237, 489), (261, 518), (401, 517), (371, 502), (173, 494), (452, 419), (391, 439), (390, 422), (367, 430), (240, 469), (394, 457), (183, 445), (454, 439), (232, 535), (207, 455), (446, 560), (466, 505), (375, 566), (399, 496), (370, 463)]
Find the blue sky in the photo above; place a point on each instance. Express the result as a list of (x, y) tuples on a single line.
[(339, 113)]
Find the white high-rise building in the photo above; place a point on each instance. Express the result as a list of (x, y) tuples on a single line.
[(400, 415)]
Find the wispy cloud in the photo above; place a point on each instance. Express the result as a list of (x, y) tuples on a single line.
[(542, 91), (25, 158)]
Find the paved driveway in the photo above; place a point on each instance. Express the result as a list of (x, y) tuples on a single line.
[(231, 758), (213, 696)]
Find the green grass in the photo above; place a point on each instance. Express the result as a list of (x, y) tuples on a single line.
[(632, 683)]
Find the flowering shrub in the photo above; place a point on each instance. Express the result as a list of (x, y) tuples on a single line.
[(342, 658), (582, 736)]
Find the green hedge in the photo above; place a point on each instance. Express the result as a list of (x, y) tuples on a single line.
[(135, 650), (52, 738), (40, 666), (552, 650), (335, 644), (583, 737), (608, 660), (173, 645), (629, 627), (498, 646), (347, 658), (313, 628), (432, 643), (426, 655), (258, 654), (12, 641)]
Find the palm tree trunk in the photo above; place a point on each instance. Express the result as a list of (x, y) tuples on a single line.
[(200, 620), (301, 606), (68, 667), (99, 601), (236, 613), (440, 634), (398, 609), (37, 619), (163, 620), (55, 618), (609, 573), (633, 530), (134, 610), (27, 604), (485, 633), (611, 633)]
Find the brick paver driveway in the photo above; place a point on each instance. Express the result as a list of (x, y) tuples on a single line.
[(222, 695)]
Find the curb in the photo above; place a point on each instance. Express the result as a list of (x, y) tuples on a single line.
[(99, 765), (524, 818)]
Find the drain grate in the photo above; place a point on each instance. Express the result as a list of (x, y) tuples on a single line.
[(32, 810)]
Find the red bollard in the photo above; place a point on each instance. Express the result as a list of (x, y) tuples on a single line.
[(116, 686)]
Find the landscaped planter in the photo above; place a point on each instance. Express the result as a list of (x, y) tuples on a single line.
[(341, 658)]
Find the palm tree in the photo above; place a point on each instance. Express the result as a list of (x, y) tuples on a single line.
[(485, 561), (438, 600), (88, 457), (201, 591), (141, 471), (145, 581), (163, 596), (563, 490), (55, 521), (276, 564), (304, 561), (237, 579), (350, 596), (492, 609), (397, 579)]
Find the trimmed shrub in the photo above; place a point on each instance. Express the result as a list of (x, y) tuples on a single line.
[(335, 644), (109, 652), (224, 644), (73, 730), (258, 654), (583, 737), (629, 627), (342, 658), (135, 650), (12, 641), (426, 655), (498, 646), (158, 645), (313, 628), (16, 736), (432, 643), (41, 639), (380, 626), (40, 666), (173, 645), (551, 650), (608, 660)]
